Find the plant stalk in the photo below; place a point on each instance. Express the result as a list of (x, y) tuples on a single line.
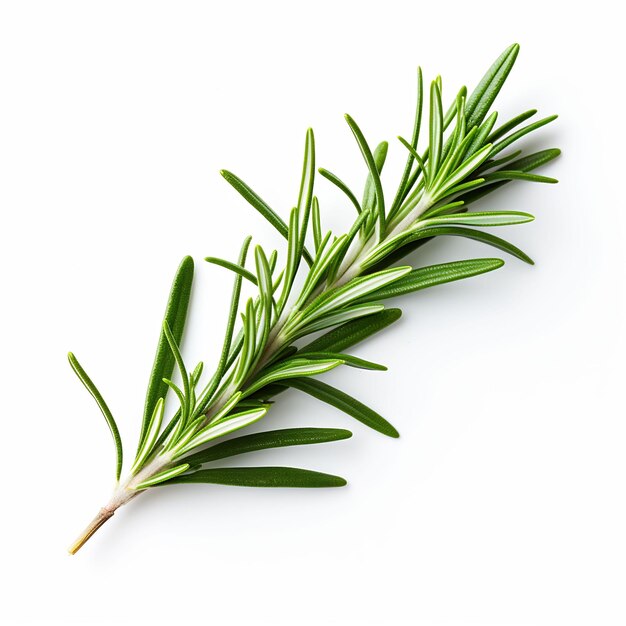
[(123, 494)]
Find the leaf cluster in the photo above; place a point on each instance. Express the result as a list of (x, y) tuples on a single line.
[(345, 280)]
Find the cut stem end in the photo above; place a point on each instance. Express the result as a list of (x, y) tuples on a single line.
[(103, 515)]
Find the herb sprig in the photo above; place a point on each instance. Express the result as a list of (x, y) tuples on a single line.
[(345, 281)]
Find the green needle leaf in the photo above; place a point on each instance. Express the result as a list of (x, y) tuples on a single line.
[(220, 428), (484, 218), (261, 206), (435, 130), (163, 476), (171, 340), (437, 275), (175, 316), (233, 267), (345, 403), (108, 416), (153, 432), (353, 332), (260, 477), (479, 103), (510, 125), (507, 141), (369, 193), (478, 235), (515, 175), (341, 185), (524, 164), (373, 169), (404, 181), (268, 439), (293, 368), (348, 359), (353, 290)]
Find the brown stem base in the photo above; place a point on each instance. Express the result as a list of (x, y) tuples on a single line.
[(104, 515)]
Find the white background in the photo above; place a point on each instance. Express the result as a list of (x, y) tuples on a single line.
[(502, 502)]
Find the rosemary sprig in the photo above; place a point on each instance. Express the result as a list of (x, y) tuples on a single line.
[(346, 279)]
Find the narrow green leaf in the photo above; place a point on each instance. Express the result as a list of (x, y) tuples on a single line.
[(493, 163), (483, 218), (169, 335), (404, 181), (233, 267), (261, 206), (510, 125), (256, 201), (268, 439), (293, 368), (220, 428), (151, 436), (317, 224), (335, 180), (373, 170), (356, 288), (353, 332), (369, 192), (461, 173), (162, 476), (345, 403), (348, 359), (535, 160), (414, 154), (338, 317), (435, 131), (398, 254), (102, 405), (175, 316), (518, 175), (174, 421), (482, 134), (436, 275), (507, 141), (265, 293), (524, 164), (305, 196), (260, 477), (478, 235), (481, 99), (228, 336)]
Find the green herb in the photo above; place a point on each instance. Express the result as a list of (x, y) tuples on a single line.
[(345, 280)]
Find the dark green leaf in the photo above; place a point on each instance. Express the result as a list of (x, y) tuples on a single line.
[(353, 332), (345, 403), (269, 439), (372, 167), (349, 359), (507, 141), (402, 187), (175, 316), (261, 206), (518, 175), (510, 125), (233, 267), (260, 477), (478, 235), (341, 185), (436, 275), (108, 416), (479, 103), (369, 192), (228, 336), (524, 164)]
